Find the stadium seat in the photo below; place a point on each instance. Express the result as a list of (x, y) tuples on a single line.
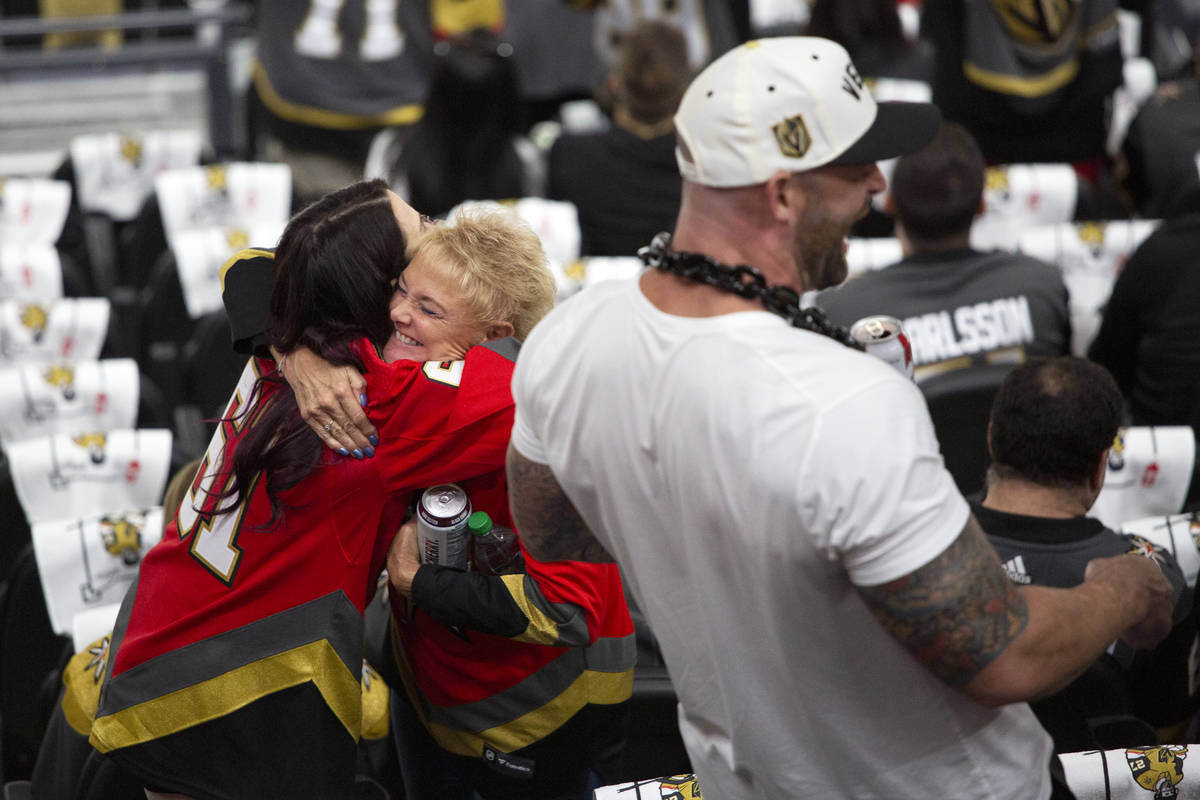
[(17, 790), (959, 405), (653, 745), (1094, 712), (25, 705)]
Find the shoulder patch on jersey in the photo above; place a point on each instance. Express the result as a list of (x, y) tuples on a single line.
[(248, 254), (507, 347)]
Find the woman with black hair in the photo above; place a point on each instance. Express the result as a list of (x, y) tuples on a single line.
[(234, 667)]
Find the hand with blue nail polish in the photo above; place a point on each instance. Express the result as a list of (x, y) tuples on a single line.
[(331, 400)]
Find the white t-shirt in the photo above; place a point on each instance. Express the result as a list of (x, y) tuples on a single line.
[(745, 474)]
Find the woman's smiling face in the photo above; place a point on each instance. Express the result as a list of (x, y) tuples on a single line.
[(432, 321)]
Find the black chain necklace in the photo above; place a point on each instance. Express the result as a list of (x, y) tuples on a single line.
[(744, 281)]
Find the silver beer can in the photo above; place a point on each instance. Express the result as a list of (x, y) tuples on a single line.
[(442, 526), (884, 337)]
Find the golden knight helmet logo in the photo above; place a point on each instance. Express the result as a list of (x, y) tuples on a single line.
[(62, 377), (680, 787), (131, 150), (792, 136), (94, 444), (1037, 22), (1158, 769), (1116, 453), (122, 535), (1091, 234), (216, 177), (34, 318)]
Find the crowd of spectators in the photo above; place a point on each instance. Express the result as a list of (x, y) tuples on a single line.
[(448, 102)]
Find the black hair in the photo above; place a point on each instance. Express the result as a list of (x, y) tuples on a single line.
[(937, 190), (334, 269), (1052, 419)]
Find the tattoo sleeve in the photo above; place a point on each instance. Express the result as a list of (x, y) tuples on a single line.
[(550, 527), (956, 613)]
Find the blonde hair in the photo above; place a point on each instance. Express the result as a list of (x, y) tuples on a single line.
[(498, 264)]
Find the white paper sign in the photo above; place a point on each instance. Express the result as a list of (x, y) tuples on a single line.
[(200, 254), (72, 398), (30, 272), (61, 477), (1136, 773), (1149, 471), (1090, 255), (33, 210), (114, 173), (92, 625), (1017, 196), (67, 329), (668, 788), (89, 562), (240, 194)]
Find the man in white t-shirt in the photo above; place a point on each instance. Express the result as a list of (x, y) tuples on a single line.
[(834, 621)]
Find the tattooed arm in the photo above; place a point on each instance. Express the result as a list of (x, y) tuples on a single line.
[(550, 527), (962, 617)]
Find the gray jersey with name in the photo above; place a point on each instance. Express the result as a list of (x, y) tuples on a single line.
[(963, 307)]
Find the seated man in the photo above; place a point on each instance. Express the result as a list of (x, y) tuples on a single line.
[(624, 180), (1051, 427), (959, 306)]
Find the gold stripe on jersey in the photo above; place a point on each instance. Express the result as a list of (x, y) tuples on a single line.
[(603, 688), (317, 662), (375, 705), (543, 628), (323, 118), (243, 255), (81, 685), (1036, 86), (535, 707)]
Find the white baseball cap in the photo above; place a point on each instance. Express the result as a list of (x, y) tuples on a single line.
[(789, 103)]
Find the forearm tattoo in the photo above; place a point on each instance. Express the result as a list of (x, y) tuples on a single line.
[(549, 526), (956, 613)]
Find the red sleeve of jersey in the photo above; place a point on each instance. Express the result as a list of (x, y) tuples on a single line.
[(440, 421)]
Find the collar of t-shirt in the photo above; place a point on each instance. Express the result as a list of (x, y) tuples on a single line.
[(1044, 530)]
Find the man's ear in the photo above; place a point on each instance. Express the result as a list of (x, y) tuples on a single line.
[(498, 330), (783, 201), (1096, 481)]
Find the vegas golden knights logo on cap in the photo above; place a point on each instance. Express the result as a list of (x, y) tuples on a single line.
[(792, 137)]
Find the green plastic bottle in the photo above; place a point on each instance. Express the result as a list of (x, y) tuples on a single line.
[(494, 548)]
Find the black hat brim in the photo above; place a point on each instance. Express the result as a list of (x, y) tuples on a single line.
[(899, 128)]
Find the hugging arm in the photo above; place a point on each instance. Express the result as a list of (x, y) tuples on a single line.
[(550, 527), (325, 393), (964, 620)]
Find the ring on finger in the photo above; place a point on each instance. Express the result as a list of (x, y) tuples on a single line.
[(328, 426)]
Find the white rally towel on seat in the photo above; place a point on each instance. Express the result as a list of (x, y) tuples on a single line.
[(1149, 472), (669, 787), (200, 254), (42, 400), (67, 329), (114, 172), (1178, 534), (240, 194), (1135, 773), (1090, 255), (33, 210), (92, 624), (30, 272), (1017, 196), (87, 562), (59, 477)]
